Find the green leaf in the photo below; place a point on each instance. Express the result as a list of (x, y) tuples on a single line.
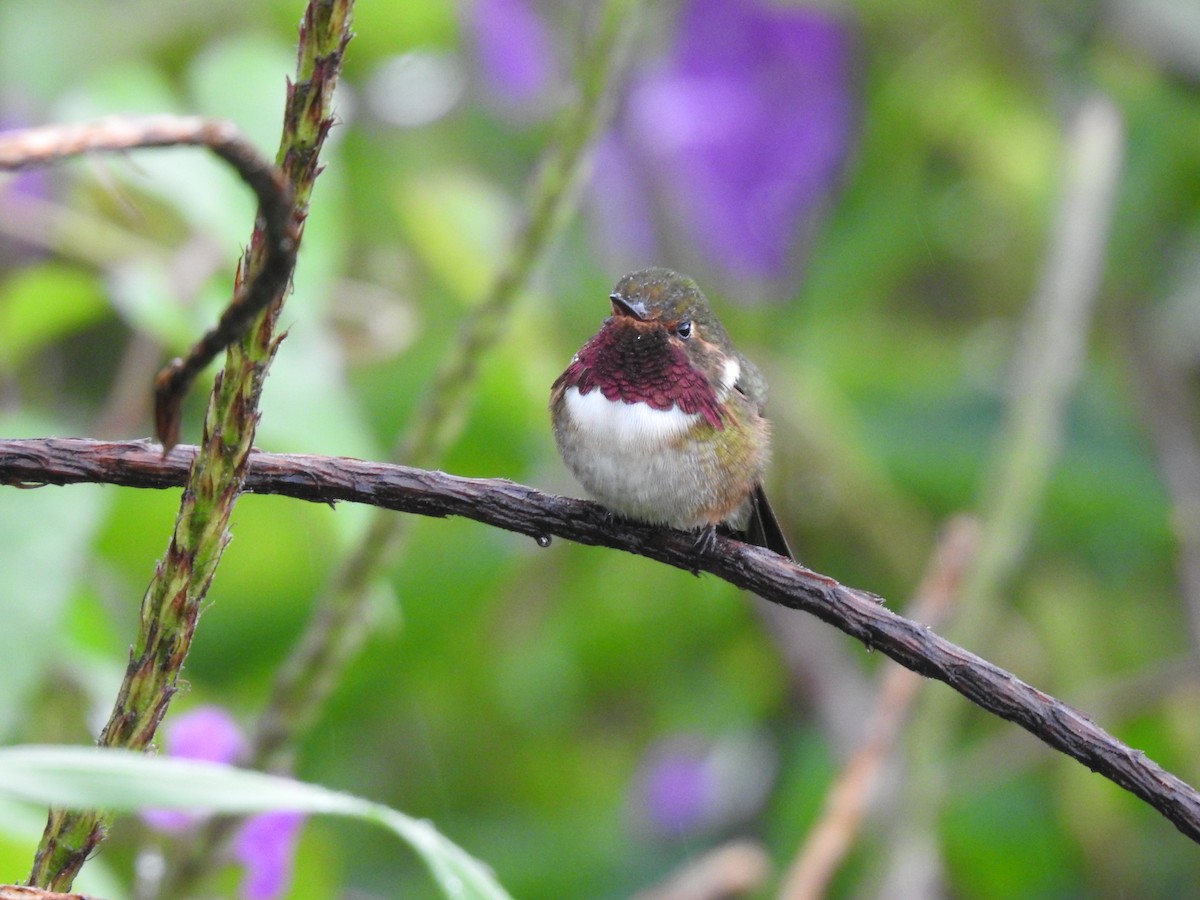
[(124, 781)]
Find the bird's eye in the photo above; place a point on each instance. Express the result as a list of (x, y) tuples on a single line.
[(684, 329)]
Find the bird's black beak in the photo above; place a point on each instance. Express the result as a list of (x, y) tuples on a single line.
[(633, 309)]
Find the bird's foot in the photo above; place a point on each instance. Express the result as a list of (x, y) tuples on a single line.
[(706, 539)]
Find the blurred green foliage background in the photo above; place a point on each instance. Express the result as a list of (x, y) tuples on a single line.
[(527, 700)]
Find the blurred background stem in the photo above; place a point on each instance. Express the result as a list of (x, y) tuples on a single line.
[(338, 625), (1045, 368), (850, 796), (1162, 387)]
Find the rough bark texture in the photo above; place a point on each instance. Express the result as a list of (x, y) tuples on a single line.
[(515, 507)]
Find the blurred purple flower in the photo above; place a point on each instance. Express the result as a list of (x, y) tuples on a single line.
[(737, 133), (740, 131), (206, 733), (677, 790), (690, 785), (513, 46), (266, 846), (266, 843)]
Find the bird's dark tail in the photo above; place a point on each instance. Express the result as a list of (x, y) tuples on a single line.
[(763, 528)]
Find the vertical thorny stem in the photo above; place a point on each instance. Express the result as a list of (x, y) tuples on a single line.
[(172, 601)]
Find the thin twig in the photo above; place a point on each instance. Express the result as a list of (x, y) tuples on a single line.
[(846, 800), (515, 507), (55, 143)]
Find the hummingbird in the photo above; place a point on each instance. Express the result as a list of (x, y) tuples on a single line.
[(660, 418)]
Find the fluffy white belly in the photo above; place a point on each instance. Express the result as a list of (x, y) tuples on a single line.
[(635, 426), (629, 457)]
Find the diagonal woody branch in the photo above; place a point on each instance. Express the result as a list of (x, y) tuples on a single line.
[(522, 509), (280, 238)]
